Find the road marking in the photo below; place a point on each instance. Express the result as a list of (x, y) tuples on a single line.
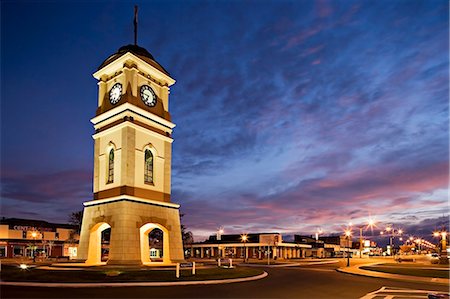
[(312, 269), (392, 293)]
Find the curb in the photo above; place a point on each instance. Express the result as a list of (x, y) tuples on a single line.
[(368, 273), (289, 264), (132, 284)]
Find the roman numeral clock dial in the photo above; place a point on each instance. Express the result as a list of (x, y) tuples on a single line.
[(148, 96), (115, 93)]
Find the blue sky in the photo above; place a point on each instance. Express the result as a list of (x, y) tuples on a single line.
[(291, 115)]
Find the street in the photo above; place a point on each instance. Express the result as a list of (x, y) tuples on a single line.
[(293, 282)]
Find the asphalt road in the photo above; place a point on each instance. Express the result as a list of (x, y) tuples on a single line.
[(294, 282)]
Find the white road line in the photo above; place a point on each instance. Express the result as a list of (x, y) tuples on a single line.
[(392, 293)]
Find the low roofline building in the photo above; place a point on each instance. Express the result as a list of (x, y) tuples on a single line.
[(26, 237), (254, 245)]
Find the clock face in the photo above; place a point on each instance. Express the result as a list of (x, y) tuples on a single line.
[(115, 93), (148, 96)]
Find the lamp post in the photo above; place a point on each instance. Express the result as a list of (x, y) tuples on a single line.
[(443, 235), (392, 232), (244, 239), (34, 235), (348, 233), (371, 224), (218, 238)]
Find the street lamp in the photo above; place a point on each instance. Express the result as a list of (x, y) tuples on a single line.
[(348, 233), (391, 232), (34, 235), (244, 238), (443, 235), (371, 224)]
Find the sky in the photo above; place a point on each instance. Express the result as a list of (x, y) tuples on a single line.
[(291, 115)]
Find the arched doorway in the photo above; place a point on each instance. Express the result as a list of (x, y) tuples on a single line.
[(95, 243), (144, 232)]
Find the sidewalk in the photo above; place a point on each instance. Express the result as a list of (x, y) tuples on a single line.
[(355, 270)]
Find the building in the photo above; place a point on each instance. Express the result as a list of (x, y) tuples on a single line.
[(25, 238), (322, 247), (256, 246), (132, 163)]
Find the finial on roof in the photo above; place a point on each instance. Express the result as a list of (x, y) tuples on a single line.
[(135, 24)]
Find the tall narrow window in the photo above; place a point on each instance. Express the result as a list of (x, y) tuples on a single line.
[(111, 166), (148, 171)]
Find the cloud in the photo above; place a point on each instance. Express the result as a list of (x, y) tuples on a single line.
[(63, 186)]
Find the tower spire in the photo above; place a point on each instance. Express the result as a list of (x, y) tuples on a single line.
[(135, 24)]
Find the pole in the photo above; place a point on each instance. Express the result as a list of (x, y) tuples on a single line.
[(360, 242), (348, 251), (245, 253), (34, 249), (390, 243), (268, 254), (135, 24)]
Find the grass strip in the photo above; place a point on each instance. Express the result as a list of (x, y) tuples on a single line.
[(13, 273), (409, 271)]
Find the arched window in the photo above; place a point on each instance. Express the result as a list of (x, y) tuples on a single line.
[(148, 171), (111, 166)]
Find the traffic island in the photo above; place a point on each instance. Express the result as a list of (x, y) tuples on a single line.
[(411, 273), (413, 270), (97, 276)]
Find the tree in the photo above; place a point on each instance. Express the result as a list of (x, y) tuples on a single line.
[(187, 236), (76, 218)]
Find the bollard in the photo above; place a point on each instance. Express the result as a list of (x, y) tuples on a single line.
[(178, 270), (231, 263), (218, 263), (193, 268)]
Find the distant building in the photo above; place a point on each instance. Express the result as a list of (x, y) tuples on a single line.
[(23, 237), (331, 246), (256, 246)]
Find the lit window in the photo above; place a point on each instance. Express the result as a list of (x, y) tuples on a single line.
[(148, 171), (111, 167)]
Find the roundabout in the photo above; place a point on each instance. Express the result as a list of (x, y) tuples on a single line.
[(112, 276)]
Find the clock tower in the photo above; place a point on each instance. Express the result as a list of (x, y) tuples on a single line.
[(132, 162)]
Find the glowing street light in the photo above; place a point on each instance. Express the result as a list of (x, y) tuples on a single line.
[(34, 235), (370, 224), (244, 238), (443, 235), (392, 232), (348, 233)]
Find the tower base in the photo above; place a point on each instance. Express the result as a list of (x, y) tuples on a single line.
[(130, 220)]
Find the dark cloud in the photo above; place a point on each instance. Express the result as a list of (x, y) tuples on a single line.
[(60, 187)]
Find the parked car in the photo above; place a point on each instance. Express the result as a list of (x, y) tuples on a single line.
[(438, 296), (434, 258)]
